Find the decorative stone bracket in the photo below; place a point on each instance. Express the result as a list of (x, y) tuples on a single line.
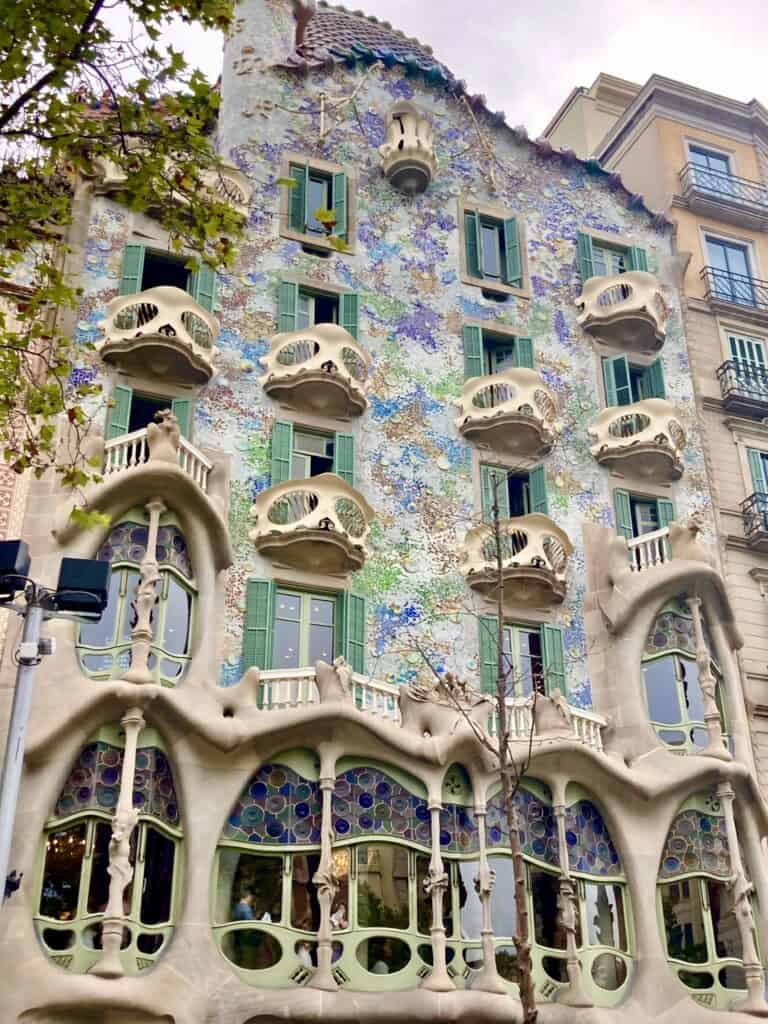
[(513, 412), (645, 438), (624, 310)]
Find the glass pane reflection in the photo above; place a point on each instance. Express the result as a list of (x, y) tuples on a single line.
[(249, 887), (61, 874), (382, 886), (684, 921), (606, 925), (178, 615)]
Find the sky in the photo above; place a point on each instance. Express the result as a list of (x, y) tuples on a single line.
[(526, 57)]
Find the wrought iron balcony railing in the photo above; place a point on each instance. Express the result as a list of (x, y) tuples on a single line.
[(723, 187), (754, 511), (744, 386), (735, 289)]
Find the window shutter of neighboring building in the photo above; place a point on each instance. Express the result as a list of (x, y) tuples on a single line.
[(666, 512), (119, 414), (339, 193), (622, 508), (653, 381), (513, 263), (259, 624), (584, 256), (133, 268), (282, 446), (554, 659), (618, 387), (524, 352), (202, 287), (344, 458), (636, 259), (287, 302), (352, 617), (537, 486), (298, 198), (489, 652), (182, 410), (349, 309), (472, 243), (754, 457), (487, 474), (473, 351)]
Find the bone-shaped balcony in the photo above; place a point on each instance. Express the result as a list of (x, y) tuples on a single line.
[(512, 412), (645, 439), (320, 524), (319, 369), (624, 310), (163, 331)]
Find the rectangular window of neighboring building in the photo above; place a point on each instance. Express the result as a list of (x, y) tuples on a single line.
[(729, 269), (711, 171), (597, 258)]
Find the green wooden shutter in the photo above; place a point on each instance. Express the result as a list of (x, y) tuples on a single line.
[(472, 243), (202, 287), (344, 458), (259, 624), (288, 300), (618, 386), (349, 308), (537, 487), (487, 474), (585, 257), (756, 470), (473, 351), (653, 381), (513, 264), (489, 652), (298, 198), (339, 194), (622, 508), (666, 510), (636, 259), (524, 352), (553, 657), (119, 414), (182, 410), (282, 446), (352, 616), (133, 269)]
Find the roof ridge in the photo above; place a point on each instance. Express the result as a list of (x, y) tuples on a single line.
[(377, 21)]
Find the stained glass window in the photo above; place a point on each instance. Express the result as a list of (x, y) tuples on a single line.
[(278, 806), (127, 542), (368, 801), (538, 829), (697, 842), (458, 829), (590, 848)]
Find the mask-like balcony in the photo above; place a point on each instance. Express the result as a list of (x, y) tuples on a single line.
[(644, 439), (319, 369), (624, 310), (320, 524), (407, 157), (512, 412), (162, 331), (725, 196), (744, 387), (754, 511), (534, 560)]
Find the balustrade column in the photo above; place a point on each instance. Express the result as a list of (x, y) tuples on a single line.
[(567, 905), (488, 979), (120, 868), (741, 890), (708, 684), (326, 883), (436, 886), (145, 600)]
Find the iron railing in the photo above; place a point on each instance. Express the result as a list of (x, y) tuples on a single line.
[(741, 380), (725, 187), (738, 289), (754, 511)]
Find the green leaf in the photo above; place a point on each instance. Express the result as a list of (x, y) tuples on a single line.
[(288, 182)]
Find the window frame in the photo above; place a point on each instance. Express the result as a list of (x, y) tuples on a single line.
[(497, 214), (325, 168), (684, 724), (305, 622)]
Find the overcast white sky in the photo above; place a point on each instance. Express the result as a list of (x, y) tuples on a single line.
[(526, 57)]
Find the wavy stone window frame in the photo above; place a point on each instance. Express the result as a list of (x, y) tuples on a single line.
[(328, 168), (499, 213)]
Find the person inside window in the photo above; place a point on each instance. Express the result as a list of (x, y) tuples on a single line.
[(244, 908)]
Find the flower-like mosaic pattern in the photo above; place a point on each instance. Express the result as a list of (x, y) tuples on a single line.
[(368, 802), (278, 806), (127, 542), (538, 828), (696, 842), (674, 632), (94, 783), (458, 829), (590, 848)]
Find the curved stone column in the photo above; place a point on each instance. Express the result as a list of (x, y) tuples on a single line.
[(708, 684), (325, 881), (436, 886), (488, 979), (574, 994), (142, 633)]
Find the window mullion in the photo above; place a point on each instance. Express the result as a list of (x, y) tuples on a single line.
[(85, 870)]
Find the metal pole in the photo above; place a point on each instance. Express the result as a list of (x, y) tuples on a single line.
[(14, 749)]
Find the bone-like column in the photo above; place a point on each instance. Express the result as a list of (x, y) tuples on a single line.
[(708, 684), (488, 979), (574, 994), (145, 600), (436, 886), (327, 888)]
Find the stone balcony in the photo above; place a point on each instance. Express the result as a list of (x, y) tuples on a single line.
[(161, 331), (645, 439), (130, 450), (626, 311), (320, 524), (512, 412), (407, 157), (534, 557), (319, 369)]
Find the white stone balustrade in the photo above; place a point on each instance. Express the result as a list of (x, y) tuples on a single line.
[(649, 550), (534, 559), (624, 310), (161, 330), (320, 369), (320, 524), (407, 157), (129, 450), (513, 412), (644, 438)]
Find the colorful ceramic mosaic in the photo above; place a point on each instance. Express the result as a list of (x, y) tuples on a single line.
[(94, 783), (458, 829), (368, 802), (538, 828), (696, 842), (127, 542), (590, 847), (277, 807), (674, 632)]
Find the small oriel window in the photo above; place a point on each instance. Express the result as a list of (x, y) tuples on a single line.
[(493, 249)]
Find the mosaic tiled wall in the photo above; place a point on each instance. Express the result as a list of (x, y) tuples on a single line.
[(413, 467)]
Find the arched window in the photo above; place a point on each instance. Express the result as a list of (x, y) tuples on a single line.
[(695, 906), (73, 883), (105, 647), (671, 681)]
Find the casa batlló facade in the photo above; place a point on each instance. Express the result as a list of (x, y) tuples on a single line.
[(246, 799)]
